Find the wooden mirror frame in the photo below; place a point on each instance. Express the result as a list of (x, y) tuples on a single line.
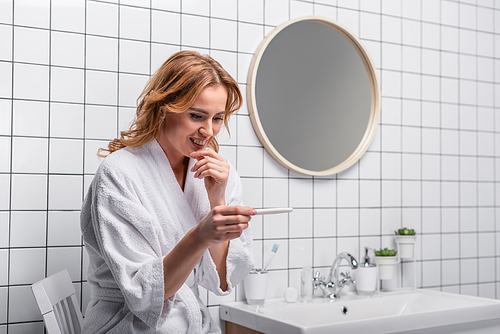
[(375, 98)]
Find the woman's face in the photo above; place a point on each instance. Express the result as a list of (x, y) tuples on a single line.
[(193, 129)]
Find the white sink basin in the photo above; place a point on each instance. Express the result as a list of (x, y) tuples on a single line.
[(420, 311)]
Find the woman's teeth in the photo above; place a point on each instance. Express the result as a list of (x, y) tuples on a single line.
[(201, 143)]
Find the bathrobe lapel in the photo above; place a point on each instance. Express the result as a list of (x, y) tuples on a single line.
[(196, 194), (182, 213)]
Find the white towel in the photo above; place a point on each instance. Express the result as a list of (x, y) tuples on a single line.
[(133, 215)]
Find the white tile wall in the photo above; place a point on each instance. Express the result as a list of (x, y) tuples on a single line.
[(70, 73), (28, 229)]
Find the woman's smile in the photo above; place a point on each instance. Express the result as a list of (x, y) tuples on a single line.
[(199, 143)]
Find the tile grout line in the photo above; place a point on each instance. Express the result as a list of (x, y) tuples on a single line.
[(9, 252)]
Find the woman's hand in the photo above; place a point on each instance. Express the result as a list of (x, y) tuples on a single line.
[(215, 170), (224, 223), (213, 232)]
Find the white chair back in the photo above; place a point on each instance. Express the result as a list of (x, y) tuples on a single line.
[(56, 299)]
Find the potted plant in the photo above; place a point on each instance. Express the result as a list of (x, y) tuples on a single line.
[(405, 240), (386, 260)]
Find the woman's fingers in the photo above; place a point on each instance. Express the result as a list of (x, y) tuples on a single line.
[(222, 162), (229, 232), (221, 221), (232, 228), (204, 153), (214, 169), (225, 223), (209, 159), (211, 166), (220, 165), (230, 221), (234, 210)]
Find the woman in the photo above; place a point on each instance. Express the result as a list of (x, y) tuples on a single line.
[(163, 213)]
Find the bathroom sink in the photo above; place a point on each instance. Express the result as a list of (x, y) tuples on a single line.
[(419, 311)]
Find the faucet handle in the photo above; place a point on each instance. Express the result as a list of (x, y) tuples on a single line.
[(347, 279), (317, 277), (317, 280)]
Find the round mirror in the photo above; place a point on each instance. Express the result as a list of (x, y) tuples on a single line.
[(313, 96)]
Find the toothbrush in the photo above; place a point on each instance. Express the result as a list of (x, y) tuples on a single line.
[(274, 250)]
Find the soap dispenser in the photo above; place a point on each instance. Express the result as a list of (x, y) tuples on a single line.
[(366, 277), (306, 284)]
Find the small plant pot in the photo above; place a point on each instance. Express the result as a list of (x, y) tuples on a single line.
[(406, 245), (386, 266)]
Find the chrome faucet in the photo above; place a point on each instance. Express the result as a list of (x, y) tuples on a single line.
[(334, 284)]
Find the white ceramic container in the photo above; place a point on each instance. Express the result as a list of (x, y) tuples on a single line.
[(256, 287), (406, 245), (366, 280), (386, 266)]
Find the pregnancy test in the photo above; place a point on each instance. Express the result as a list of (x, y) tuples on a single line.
[(273, 211)]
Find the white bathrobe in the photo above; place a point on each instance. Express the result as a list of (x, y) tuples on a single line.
[(133, 215)]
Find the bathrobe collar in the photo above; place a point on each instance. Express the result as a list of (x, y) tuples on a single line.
[(194, 189)]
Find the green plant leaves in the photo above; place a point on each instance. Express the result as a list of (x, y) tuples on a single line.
[(385, 252), (405, 231)]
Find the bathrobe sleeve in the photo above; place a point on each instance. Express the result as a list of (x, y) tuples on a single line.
[(129, 244), (240, 259)]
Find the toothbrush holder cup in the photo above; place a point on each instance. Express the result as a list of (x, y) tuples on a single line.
[(256, 287)]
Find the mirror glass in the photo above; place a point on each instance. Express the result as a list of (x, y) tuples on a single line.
[(313, 96)]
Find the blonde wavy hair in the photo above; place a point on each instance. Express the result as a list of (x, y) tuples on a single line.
[(173, 89)]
